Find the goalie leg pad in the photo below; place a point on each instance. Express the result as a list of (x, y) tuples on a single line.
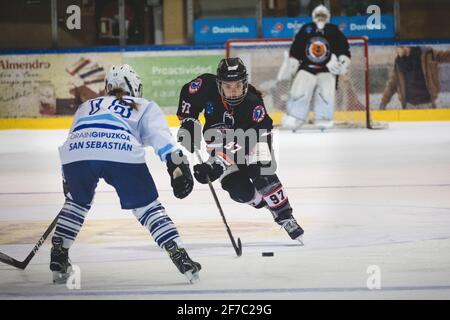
[(289, 122), (154, 218), (300, 95), (324, 97)]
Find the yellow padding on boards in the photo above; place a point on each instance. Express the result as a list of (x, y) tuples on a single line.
[(61, 122), (172, 120), (411, 115)]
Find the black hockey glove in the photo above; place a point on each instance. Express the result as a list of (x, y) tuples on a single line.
[(180, 174), (203, 171), (254, 170), (190, 134)]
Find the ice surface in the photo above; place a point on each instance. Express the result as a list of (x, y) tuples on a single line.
[(364, 197)]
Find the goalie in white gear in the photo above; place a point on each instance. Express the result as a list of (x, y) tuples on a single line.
[(319, 54)]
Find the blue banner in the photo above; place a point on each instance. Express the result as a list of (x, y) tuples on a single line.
[(357, 26), (283, 27), (350, 26), (220, 30)]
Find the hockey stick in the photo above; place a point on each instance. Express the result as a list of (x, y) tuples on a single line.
[(237, 247), (23, 264)]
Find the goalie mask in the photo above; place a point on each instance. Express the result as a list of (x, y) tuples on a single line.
[(321, 16), (232, 80), (125, 78)]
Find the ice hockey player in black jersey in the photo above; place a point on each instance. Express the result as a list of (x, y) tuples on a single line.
[(319, 53), (237, 132)]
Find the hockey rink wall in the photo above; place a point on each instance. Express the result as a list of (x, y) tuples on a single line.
[(42, 89)]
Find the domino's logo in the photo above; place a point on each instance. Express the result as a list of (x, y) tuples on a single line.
[(277, 28), (343, 26), (204, 29)]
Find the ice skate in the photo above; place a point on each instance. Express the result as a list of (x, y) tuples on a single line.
[(292, 228), (59, 261), (183, 262)]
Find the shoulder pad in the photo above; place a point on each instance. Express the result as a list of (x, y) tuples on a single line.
[(253, 99), (204, 80), (195, 85)]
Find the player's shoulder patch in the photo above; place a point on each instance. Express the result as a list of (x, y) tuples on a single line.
[(195, 85), (309, 28), (258, 114)]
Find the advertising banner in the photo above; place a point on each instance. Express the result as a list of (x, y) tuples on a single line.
[(358, 26), (220, 30), (163, 76), (284, 27), (51, 84), (41, 85)]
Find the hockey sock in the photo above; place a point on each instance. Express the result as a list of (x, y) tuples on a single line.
[(70, 221), (154, 218), (274, 195)]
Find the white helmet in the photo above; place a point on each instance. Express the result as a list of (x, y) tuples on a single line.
[(321, 16), (125, 78)]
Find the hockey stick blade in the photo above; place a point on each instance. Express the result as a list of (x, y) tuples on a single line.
[(11, 261), (239, 246), (23, 264)]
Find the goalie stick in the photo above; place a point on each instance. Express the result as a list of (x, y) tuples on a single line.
[(237, 246), (23, 264)]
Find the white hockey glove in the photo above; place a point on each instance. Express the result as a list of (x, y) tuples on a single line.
[(288, 68), (334, 66), (344, 61)]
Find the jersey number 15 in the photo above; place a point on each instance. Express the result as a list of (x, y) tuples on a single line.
[(117, 106)]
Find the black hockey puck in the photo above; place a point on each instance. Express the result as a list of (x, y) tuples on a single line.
[(267, 254)]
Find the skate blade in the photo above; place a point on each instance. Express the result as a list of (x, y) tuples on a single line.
[(61, 278), (192, 277), (300, 240)]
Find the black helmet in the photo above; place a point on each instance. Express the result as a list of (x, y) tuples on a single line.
[(232, 69)]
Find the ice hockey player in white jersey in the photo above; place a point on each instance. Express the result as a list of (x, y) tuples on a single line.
[(320, 52), (106, 141)]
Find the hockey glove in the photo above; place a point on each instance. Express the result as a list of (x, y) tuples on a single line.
[(334, 66), (344, 62), (205, 170), (180, 174), (288, 68), (189, 135)]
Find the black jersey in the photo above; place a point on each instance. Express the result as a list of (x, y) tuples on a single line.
[(313, 47), (202, 95)]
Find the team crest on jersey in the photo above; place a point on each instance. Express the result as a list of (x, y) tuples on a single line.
[(259, 113), (195, 86), (318, 49)]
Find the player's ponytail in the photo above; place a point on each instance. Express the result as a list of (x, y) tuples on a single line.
[(119, 94)]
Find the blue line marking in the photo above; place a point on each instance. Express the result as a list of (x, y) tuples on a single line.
[(226, 291)]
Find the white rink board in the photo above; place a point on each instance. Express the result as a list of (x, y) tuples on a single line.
[(364, 198)]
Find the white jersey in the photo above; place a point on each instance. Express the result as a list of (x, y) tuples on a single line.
[(105, 129)]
